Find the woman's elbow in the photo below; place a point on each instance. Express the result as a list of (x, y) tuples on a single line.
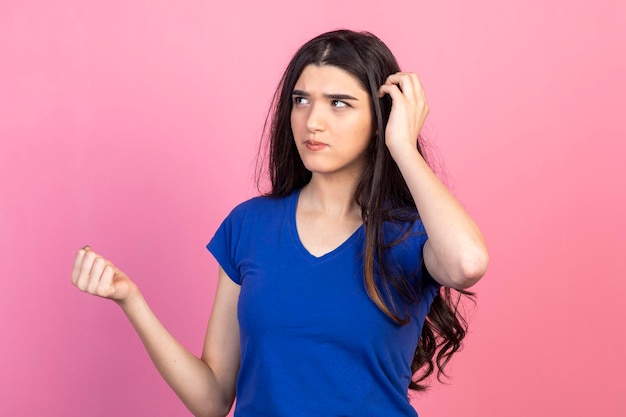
[(471, 269)]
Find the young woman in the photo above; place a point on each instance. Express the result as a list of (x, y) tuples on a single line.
[(326, 282)]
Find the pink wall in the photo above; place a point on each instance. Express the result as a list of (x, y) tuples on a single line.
[(131, 126)]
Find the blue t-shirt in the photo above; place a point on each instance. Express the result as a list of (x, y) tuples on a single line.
[(312, 342)]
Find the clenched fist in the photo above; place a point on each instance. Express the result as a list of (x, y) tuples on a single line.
[(96, 275)]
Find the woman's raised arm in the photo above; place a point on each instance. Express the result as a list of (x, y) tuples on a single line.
[(455, 253)]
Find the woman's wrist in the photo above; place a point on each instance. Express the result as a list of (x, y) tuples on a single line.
[(406, 156), (133, 299)]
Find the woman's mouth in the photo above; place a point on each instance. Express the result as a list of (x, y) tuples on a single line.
[(315, 146)]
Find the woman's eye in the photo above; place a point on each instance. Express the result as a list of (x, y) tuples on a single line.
[(339, 103), (300, 100)]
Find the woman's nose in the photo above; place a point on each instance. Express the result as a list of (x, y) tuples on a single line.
[(315, 119)]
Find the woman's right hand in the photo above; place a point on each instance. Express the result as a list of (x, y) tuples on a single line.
[(96, 275)]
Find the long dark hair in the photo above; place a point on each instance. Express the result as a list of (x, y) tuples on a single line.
[(382, 193)]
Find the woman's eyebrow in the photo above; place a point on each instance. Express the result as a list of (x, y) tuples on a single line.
[(329, 96)]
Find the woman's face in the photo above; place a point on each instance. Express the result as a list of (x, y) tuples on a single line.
[(331, 120)]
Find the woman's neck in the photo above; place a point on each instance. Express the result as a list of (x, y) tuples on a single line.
[(331, 196)]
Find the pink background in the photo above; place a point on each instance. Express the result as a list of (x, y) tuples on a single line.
[(132, 126)]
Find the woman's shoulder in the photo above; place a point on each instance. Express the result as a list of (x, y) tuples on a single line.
[(401, 223), (262, 206), (405, 237)]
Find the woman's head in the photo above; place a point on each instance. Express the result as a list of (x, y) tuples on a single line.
[(360, 54)]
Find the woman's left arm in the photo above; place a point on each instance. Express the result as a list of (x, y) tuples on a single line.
[(455, 253)]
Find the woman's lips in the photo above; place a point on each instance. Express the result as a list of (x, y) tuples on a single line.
[(315, 146)]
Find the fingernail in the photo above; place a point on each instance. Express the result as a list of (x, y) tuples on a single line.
[(86, 247)]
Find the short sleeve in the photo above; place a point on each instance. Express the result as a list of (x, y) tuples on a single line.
[(223, 245), (407, 255), (428, 281), (406, 242)]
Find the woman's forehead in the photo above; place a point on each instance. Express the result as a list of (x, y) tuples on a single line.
[(328, 79)]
